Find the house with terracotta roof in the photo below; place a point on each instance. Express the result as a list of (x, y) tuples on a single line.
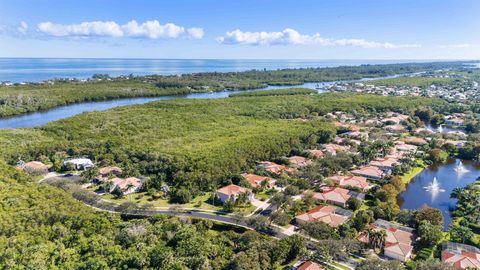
[(454, 121), (350, 127), (399, 241), (105, 173), (414, 140), (461, 256), (309, 265), (299, 162), (231, 192), (386, 164), (125, 186), (395, 118), (256, 180), (331, 215), (395, 128), (337, 196), (33, 167), (356, 135), (316, 153), (405, 148), (370, 172), (333, 149), (359, 182), (273, 167)]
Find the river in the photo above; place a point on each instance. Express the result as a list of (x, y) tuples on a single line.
[(44, 117), (422, 190)]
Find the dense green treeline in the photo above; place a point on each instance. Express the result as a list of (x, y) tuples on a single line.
[(30, 98), (194, 143), (42, 227), (259, 78), (276, 92), (35, 97)]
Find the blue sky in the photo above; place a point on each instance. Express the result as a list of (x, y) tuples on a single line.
[(268, 29)]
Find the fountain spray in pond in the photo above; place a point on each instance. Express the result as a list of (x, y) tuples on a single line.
[(460, 168), (434, 188)]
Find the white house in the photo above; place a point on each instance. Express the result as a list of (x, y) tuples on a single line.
[(79, 163)]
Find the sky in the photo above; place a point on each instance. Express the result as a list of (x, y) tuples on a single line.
[(247, 29)]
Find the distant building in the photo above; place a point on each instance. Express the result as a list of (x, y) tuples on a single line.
[(370, 172), (337, 196), (359, 182), (333, 149), (33, 167), (461, 256), (299, 162), (331, 215), (395, 128), (231, 192), (105, 172), (386, 164), (399, 241), (273, 167), (309, 265), (125, 186), (79, 163), (316, 153), (256, 180), (414, 140)]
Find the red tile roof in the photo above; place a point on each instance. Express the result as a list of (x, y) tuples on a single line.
[(324, 213), (309, 265), (233, 190), (352, 181), (256, 180)]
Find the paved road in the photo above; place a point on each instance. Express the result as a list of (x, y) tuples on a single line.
[(278, 232)]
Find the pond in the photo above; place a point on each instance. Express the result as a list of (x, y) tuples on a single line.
[(433, 186)]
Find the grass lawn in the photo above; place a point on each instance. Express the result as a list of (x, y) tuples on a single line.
[(340, 266), (406, 178), (202, 202), (365, 205)]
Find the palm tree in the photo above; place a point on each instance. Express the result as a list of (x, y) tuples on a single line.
[(377, 239), (130, 186), (456, 192)]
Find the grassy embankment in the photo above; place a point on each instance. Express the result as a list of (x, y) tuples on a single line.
[(406, 178)]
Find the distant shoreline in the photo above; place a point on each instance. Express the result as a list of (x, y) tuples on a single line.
[(18, 70)]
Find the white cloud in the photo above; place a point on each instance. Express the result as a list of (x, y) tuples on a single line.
[(84, 29), (23, 27), (292, 37), (196, 32), (457, 46), (149, 29)]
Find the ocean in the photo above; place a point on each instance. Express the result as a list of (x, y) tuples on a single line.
[(40, 69)]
